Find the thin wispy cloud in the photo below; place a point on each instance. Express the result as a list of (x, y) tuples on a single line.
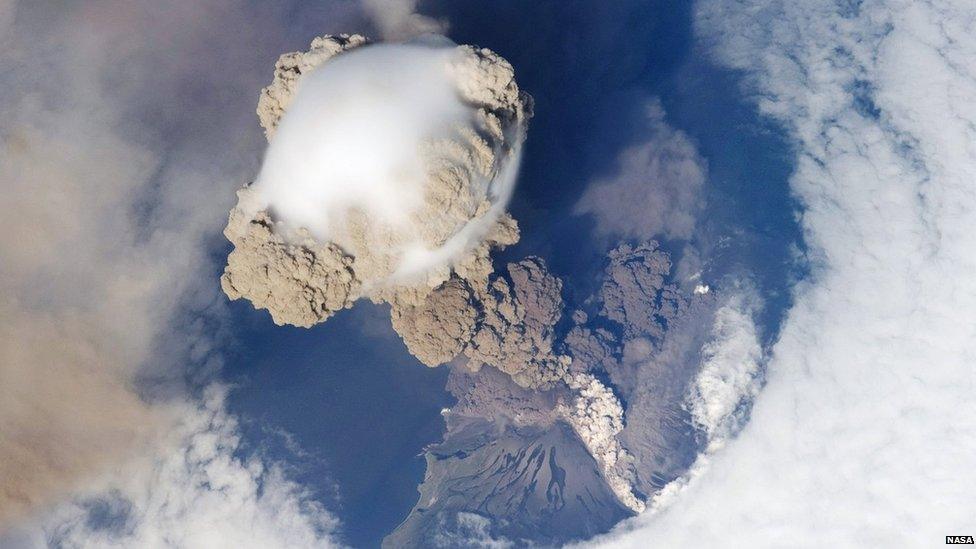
[(655, 188), (199, 492), (399, 19), (117, 173)]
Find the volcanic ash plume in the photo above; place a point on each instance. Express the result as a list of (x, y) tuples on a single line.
[(389, 168), (507, 323)]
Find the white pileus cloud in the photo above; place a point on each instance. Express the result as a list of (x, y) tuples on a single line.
[(866, 430), (381, 133), (352, 136)]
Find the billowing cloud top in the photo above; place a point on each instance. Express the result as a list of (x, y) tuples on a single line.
[(391, 169)]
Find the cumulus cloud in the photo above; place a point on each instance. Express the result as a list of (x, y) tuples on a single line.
[(655, 189), (864, 433), (199, 492), (721, 394), (389, 169), (729, 378), (469, 530)]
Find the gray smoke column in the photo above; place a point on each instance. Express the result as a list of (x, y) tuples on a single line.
[(389, 167)]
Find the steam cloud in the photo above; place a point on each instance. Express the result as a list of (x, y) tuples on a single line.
[(398, 19), (391, 169)]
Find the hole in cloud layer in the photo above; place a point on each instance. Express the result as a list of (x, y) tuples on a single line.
[(367, 147), (389, 169)]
